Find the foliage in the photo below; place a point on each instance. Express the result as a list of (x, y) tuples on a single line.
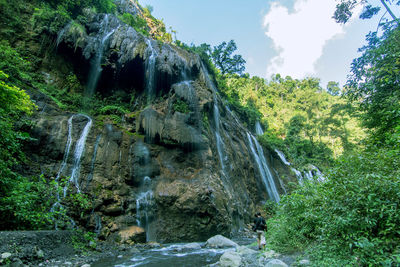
[(113, 109), (83, 241), (180, 106), (28, 203), (12, 63), (351, 218), (374, 84), (136, 22), (344, 9), (225, 61), (304, 121)]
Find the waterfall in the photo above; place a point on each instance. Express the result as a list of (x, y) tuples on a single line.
[(105, 32), (150, 71), (144, 198), (79, 148), (263, 168), (259, 130), (282, 157), (144, 207)]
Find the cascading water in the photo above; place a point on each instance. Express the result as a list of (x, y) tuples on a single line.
[(150, 71), (144, 208), (263, 168), (79, 148), (282, 157), (104, 34), (259, 130), (144, 198)]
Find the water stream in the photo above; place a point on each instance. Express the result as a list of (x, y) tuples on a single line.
[(263, 168), (74, 171), (150, 71), (172, 255), (259, 130), (104, 34)]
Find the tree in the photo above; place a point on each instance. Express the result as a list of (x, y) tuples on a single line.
[(225, 61), (333, 88), (344, 10), (374, 84)]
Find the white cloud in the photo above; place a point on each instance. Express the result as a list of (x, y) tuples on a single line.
[(299, 36)]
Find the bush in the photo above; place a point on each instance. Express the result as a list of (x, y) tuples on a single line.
[(350, 219)]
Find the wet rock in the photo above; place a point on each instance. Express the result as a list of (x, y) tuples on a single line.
[(6, 255), (220, 241), (133, 233), (304, 263), (230, 259), (275, 263), (270, 254)]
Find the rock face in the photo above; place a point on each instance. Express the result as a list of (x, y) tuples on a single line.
[(181, 166)]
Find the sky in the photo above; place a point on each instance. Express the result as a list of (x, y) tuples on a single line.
[(298, 38)]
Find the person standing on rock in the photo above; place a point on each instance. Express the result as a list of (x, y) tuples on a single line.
[(259, 227)]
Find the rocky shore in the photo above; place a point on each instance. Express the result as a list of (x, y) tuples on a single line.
[(64, 248)]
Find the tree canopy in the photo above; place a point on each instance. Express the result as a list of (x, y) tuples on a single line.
[(224, 59)]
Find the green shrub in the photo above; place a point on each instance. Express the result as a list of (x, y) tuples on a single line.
[(136, 22), (113, 110), (181, 106), (351, 218)]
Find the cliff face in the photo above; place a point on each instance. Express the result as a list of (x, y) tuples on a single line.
[(182, 166)]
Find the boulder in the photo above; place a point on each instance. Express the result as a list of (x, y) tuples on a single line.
[(133, 233), (230, 259), (220, 241), (275, 263)]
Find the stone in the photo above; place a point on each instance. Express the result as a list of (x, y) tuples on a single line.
[(230, 259), (275, 263), (220, 241), (6, 255), (192, 246), (304, 262), (40, 253), (86, 265), (269, 254), (133, 233), (243, 250)]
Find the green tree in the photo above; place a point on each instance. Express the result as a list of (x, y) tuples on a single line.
[(225, 61), (374, 85), (344, 10)]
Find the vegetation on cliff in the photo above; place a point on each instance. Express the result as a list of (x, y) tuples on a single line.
[(352, 217)]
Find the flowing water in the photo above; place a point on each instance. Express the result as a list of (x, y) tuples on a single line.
[(171, 255), (74, 171), (263, 168), (145, 203), (259, 130), (150, 71), (104, 34), (282, 157)]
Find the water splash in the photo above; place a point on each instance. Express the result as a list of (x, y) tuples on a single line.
[(150, 71), (263, 168)]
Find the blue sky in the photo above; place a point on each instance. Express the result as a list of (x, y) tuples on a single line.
[(290, 37)]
